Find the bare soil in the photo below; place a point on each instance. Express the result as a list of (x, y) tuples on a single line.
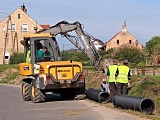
[(10, 71)]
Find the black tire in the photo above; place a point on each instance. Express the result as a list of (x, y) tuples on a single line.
[(26, 91), (38, 95)]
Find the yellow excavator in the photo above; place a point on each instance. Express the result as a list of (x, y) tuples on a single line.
[(50, 74)]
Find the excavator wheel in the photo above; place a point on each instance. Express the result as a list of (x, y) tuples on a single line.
[(26, 91), (38, 95)]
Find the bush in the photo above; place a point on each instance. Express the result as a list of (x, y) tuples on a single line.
[(141, 64), (17, 58), (87, 63)]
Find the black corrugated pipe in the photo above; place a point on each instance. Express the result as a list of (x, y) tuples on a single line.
[(98, 95), (140, 104)]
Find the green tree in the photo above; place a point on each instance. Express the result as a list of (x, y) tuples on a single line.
[(153, 48), (74, 55), (106, 54), (133, 54)]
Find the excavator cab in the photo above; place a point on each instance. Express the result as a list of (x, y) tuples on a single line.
[(34, 53), (35, 42)]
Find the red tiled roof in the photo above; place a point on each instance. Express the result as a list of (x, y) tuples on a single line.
[(45, 26)]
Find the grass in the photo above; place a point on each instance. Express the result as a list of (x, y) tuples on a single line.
[(89, 68), (9, 78), (145, 67), (4, 67), (7, 74)]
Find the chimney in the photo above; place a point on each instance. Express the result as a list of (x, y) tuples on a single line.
[(124, 27), (23, 8)]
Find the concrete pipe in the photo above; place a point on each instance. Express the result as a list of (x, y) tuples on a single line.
[(140, 104), (98, 95)]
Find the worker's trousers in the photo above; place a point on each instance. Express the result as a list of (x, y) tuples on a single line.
[(122, 88), (113, 90)]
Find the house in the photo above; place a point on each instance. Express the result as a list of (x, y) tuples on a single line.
[(98, 43), (12, 30), (121, 39)]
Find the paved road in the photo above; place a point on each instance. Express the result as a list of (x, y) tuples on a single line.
[(12, 107)]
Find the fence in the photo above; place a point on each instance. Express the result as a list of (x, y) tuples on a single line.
[(145, 71)]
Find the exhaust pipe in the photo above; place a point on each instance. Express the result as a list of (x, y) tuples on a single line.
[(98, 95), (140, 104)]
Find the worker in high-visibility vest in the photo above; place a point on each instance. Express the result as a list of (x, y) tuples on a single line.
[(123, 78), (111, 78), (28, 56)]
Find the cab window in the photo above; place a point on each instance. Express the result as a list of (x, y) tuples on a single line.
[(43, 51)]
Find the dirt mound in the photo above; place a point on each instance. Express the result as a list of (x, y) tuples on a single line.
[(17, 80), (94, 79), (6, 72), (11, 76)]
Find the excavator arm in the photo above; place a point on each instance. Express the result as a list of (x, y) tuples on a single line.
[(87, 40)]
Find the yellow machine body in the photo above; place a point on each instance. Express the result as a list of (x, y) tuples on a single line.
[(61, 70), (25, 69)]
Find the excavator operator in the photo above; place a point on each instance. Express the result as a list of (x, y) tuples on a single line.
[(42, 54)]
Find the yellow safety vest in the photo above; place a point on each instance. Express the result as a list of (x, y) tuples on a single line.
[(28, 57), (112, 70), (123, 74)]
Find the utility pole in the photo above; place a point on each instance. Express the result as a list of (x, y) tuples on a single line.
[(6, 38), (7, 35)]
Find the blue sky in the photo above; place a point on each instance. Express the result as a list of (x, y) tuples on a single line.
[(101, 18)]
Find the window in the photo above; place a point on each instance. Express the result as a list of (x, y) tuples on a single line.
[(117, 41), (130, 41), (43, 44), (24, 27), (13, 27), (19, 16), (7, 55), (3, 28)]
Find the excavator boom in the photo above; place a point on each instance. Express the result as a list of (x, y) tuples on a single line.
[(87, 40)]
